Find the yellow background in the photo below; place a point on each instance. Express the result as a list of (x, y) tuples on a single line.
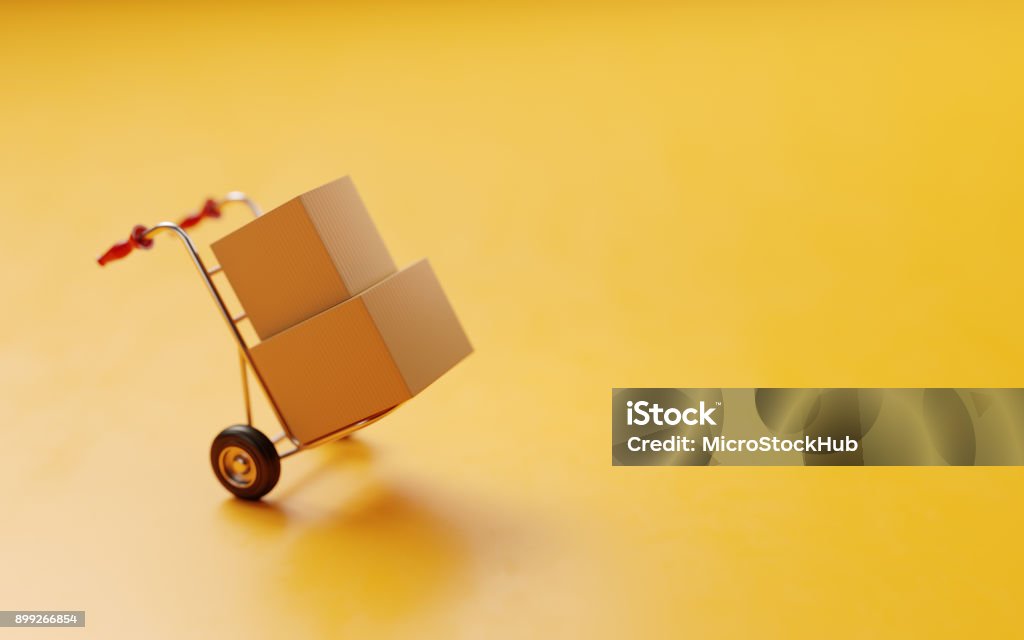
[(635, 195)]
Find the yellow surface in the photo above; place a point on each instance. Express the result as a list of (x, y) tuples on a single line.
[(658, 196)]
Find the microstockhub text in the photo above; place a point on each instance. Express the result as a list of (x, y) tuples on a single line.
[(646, 414)]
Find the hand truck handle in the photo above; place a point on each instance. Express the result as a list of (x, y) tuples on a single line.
[(137, 238)]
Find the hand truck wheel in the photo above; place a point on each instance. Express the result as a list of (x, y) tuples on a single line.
[(245, 461)]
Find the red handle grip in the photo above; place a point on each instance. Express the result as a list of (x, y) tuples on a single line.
[(136, 240), (209, 210)]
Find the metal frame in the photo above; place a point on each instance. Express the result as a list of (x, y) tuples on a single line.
[(244, 357)]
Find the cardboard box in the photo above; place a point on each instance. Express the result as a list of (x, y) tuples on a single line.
[(303, 257), (363, 356)]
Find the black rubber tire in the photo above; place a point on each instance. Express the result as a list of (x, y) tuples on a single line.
[(261, 450)]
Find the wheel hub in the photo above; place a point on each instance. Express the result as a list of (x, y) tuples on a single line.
[(237, 466)]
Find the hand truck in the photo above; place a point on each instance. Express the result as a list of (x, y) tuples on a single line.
[(244, 459)]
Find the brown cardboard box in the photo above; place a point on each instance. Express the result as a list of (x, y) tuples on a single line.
[(305, 256), (363, 356)]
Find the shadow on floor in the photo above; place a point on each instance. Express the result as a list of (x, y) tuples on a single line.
[(359, 553)]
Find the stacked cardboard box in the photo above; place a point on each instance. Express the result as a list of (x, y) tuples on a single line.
[(344, 335)]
